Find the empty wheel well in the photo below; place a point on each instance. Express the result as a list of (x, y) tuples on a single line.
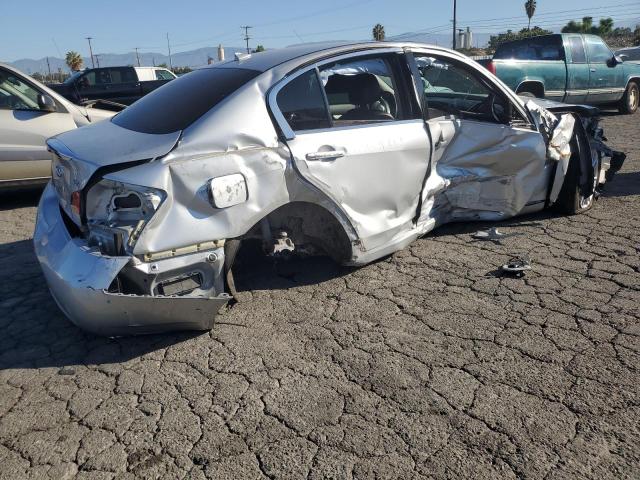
[(309, 224)]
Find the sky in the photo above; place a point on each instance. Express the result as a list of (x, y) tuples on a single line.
[(48, 28)]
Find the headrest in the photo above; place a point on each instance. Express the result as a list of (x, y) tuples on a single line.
[(364, 89)]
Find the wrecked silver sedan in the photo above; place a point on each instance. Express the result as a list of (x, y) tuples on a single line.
[(351, 151)]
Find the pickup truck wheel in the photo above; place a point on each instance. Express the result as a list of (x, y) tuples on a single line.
[(570, 201), (630, 99)]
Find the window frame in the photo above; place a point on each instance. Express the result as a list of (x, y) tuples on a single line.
[(476, 73), (60, 108), (598, 41), (405, 93)]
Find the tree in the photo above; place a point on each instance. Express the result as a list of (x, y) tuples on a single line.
[(258, 49), (604, 27), (636, 36), (74, 61), (378, 33), (510, 35), (530, 8)]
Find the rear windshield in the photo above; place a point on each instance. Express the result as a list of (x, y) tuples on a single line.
[(534, 48), (180, 102)]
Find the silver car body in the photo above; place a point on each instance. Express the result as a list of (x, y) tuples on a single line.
[(24, 159), (357, 192)]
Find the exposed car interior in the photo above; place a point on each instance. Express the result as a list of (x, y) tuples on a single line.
[(450, 89), (15, 94), (360, 92)]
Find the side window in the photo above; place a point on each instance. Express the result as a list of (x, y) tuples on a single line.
[(163, 75), (361, 91), (122, 75), (16, 94), (536, 48), (598, 51), (452, 90), (302, 103), (577, 50)]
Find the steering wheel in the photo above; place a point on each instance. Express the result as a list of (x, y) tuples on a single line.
[(487, 106)]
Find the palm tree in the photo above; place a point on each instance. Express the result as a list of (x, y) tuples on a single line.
[(605, 27), (378, 33), (530, 8), (74, 61)]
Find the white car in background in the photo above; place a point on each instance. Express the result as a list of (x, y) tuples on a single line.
[(29, 114)]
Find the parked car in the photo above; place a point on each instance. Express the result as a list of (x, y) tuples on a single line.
[(352, 151), (572, 68), (629, 55), (122, 85), (29, 114)]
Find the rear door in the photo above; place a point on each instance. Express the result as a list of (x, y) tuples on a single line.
[(24, 129), (606, 80), (354, 136), (488, 162), (578, 75)]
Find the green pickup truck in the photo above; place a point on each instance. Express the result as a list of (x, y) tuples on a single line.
[(568, 67)]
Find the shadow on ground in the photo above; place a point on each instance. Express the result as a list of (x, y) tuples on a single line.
[(623, 185), (12, 199)]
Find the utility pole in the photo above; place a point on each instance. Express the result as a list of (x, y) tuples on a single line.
[(137, 56), (97, 59), (49, 68), (91, 51), (454, 23), (246, 36), (169, 47)]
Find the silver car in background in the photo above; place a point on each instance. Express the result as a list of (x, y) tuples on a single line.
[(30, 113), (351, 151)]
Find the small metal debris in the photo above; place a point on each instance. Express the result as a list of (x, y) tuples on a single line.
[(517, 266), (493, 235)]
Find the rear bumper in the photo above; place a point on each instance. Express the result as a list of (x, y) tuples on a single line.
[(78, 277)]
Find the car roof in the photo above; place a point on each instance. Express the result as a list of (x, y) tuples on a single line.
[(269, 59)]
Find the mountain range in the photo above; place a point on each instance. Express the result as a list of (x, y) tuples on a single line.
[(199, 57)]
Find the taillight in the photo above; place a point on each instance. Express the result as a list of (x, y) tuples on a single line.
[(76, 199), (491, 67)]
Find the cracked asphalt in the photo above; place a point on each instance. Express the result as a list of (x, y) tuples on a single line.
[(423, 365)]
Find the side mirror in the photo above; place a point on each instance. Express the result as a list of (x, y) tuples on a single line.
[(622, 57), (46, 103), (613, 61)]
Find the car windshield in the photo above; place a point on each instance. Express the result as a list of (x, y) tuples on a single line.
[(180, 102)]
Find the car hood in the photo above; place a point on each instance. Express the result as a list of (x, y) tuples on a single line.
[(559, 107)]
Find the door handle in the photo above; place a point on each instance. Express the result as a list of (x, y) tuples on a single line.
[(592, 70), (330, 155)]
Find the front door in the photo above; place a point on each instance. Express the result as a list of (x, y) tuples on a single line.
[(354, 137), (24, 129), (488, 162), (606, 79)]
